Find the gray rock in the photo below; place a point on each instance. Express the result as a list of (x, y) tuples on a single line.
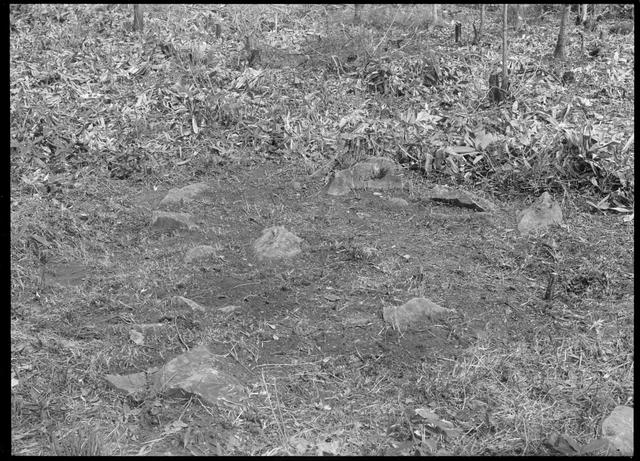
[(194, 306), (415, 313), (543, 213), (450, 196), (128, 384), (277, 242), (618, 429), (184, 194), (201, 373), (167, 221), (375, 173), (209, 376), (399, 202), (199, 252)]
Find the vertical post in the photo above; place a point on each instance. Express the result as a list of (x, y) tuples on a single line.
[(138, 20)]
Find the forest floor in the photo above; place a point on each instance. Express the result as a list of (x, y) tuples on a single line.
[(504, 373)]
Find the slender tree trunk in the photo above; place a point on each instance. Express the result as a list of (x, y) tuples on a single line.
[(504, 44), (356, 12), (499, 84), (559, 52), (138, 21), (482, 11)]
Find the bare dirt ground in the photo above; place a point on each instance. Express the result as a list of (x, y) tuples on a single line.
[(538, 346), (328, 374)]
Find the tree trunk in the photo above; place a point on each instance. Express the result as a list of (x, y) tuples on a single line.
[(499, 84), (559, 52), (138, 22), (504, 43), (356, 12), (482, 12)]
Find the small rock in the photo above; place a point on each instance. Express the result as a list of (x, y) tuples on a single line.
[(184, 194), (167, 221), (374, 167), (128, 384), (618, 429), (277, 242), (459, 198), (198, 371), (399, 202), (544, 212), (375, 173), (414, 313), (199, 252), (192, 304), (201, 373)]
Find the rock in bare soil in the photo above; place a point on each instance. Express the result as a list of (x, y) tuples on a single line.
[(618, 429), (128, 384), (199, 252), (184, 194), (616, 440), (415, 313), (544, 212), (460, 198), (277, 242), (190, 303), (167, 221), (375, 173), (202, 373), (196, 372), (398, 202)]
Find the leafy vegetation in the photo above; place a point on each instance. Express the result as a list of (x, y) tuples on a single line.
[(103, 117)]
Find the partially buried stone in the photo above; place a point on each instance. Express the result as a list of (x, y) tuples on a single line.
[(375, 173), (544, 212), (415, 313), (184, 194), (166, 221), (618, 429), (277, 242), (199, 252), (399, 202)]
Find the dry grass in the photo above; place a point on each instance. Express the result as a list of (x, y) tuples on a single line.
[(508, 370)]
